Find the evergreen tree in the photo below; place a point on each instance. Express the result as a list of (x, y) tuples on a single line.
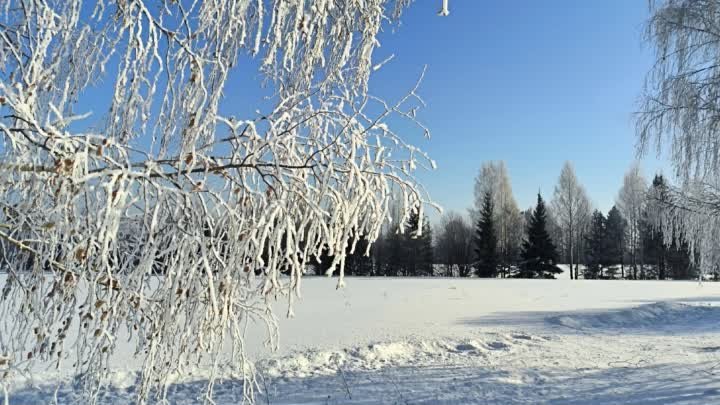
[(615, 245), (653, 248), (679, 266), (596, 246), (395, 254), (356, 262), (507, 220), (670, 261), (538, 251), (417, 248), (380, 254), (322, 264), (486, 240), (651, 235)]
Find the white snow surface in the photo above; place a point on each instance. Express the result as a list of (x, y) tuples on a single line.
[(469, 341)]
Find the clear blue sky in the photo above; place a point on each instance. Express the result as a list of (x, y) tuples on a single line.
[(533, 83)]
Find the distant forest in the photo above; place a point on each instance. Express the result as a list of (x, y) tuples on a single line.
[(497, 239)]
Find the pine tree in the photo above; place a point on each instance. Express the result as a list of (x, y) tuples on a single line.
[(596, 246), (486, 240), (417, 248), (539, 252), (615, 246)]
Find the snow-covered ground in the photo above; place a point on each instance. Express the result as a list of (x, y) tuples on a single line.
[(476, 341)]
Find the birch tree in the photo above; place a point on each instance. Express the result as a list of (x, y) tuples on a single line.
[(164, 178), (679, 113), (584, 222), (453, 245), (571, 208), (631, 202)]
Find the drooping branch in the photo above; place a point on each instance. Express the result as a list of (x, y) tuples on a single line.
[(166, 221)]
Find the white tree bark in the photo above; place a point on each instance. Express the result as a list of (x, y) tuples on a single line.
[(631, 202)]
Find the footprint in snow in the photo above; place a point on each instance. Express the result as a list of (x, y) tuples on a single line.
[(498, 346), (522, 337), (465, 347)]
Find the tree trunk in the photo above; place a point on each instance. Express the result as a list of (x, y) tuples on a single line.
[(577, 257), (633, 257), (643, 275), (661, 262), (570, 249)]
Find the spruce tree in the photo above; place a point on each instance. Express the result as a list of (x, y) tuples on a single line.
[(651, 235), (596, 246), (356, 262), (397, 257), (671, 261), (615, 246), (679, 266), (539, 252), (417, 248), (486, 240)]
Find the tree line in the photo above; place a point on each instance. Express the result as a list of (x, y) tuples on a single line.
[(497, 239)]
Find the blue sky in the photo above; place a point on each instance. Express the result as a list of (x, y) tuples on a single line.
[(533, 83)]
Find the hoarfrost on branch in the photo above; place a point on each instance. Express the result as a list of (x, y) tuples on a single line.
[(226, 210), (679, 110)]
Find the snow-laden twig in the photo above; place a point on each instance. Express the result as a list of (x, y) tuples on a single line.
[(679, 113), (168, 222)]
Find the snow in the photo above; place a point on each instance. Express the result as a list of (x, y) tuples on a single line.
[(470, 341), (659, 316)]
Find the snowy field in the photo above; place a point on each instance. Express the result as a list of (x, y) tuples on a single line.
[(475, 341)]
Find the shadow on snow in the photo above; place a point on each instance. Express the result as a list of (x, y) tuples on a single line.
[(676, 317), (650, 385)]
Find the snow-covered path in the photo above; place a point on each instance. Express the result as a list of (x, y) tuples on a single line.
[(453, 341)]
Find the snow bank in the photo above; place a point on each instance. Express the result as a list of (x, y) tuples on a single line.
[(388, 354), (660, 315)]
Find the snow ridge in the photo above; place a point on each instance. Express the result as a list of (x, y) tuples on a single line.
[(659, 315)]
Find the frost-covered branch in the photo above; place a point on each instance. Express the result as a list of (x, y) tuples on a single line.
[(681, 110), (168, 221)]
